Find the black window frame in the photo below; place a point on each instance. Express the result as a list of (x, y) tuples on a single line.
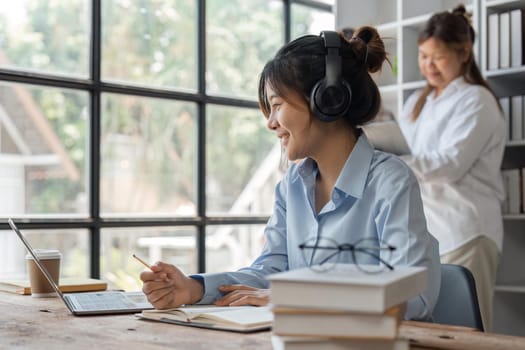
[(95, 87)]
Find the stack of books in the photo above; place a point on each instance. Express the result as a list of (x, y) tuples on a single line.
[(343, 308)]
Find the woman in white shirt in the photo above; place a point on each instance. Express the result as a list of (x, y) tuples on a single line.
[(456, 132)]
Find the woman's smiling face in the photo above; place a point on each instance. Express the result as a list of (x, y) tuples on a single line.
[(291, 120)]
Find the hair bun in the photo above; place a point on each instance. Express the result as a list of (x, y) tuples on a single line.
[(366, 34), (462, 12), (370, 47)]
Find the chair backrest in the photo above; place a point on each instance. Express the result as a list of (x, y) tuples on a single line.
[(457, 303)]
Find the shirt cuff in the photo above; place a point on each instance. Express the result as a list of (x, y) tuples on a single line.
[(211, 283), (199, 279)]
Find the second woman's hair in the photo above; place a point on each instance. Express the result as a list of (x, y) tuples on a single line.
[(456, 32), (300, 64)]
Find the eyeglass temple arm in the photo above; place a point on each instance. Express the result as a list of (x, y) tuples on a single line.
[(390, 267), (329, 257)]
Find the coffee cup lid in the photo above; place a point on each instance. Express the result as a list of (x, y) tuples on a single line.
[(45, 254)]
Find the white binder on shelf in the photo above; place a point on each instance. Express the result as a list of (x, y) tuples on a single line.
[(493, 41), (516, 112), (512, 182), (504, 38), (517, 30), (505, 106)]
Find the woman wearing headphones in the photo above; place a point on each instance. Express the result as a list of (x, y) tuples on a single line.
[(456, 133), (315, 93)]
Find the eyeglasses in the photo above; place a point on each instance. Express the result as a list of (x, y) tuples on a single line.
[(369, 255)]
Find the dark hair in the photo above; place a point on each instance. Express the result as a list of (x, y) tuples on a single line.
[(455, 31), (298, 66)]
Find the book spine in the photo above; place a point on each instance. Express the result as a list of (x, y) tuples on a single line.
[(493, 41), (324, 343), (523, 190), (505, 106), (516, 111), (523, 116), (517, 28), (512, 180), (504, 38), (304, 295), (349, 325)]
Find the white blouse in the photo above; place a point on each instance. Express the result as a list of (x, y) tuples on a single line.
[(457, 146)]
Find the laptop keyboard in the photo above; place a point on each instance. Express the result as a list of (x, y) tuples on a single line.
[(102, 301)]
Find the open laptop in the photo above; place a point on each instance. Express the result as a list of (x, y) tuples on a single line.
[(387, 136), (91, 303)]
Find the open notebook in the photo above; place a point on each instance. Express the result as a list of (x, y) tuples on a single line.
[(242, 319), (91, 303)]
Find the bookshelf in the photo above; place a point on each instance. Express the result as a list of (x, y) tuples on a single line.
[(509, 299), (399, 22)]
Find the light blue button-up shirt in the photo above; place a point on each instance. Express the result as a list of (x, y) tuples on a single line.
[(376, 196)]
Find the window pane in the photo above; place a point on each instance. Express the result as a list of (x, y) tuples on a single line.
[(47, 36), (43, 150), (242, 162), (306, 20), (228, 248), (73, 244), (148, 156), (241, 37), (150, 42), (173, 245)]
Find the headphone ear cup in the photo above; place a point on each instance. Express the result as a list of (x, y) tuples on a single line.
[(329, 103)]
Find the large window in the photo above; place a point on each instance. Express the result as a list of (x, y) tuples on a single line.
[(150, 43), (148, 149), (133, 127)]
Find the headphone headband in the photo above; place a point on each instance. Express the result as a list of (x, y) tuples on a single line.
[(332, 43), (331, 96)]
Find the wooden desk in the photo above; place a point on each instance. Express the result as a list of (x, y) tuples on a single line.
[(31, 323), (436, 336)]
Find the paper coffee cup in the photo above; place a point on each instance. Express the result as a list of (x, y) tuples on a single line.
[(40, 287)]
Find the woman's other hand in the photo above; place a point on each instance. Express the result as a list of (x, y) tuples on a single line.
[(239, 294)]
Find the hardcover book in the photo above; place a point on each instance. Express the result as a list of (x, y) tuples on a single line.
[(516, 123), (336, 324), (493, 45), (313, 343), (345, 287), (67, 285), (517, 36), (504, 40)]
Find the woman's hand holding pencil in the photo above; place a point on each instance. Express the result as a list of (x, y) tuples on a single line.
[(168, 287)]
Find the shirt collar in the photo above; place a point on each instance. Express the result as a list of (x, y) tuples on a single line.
[(352, 179), (306, 168), (451, 88)]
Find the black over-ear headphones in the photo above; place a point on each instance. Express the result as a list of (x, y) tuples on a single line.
[(331, 96)]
